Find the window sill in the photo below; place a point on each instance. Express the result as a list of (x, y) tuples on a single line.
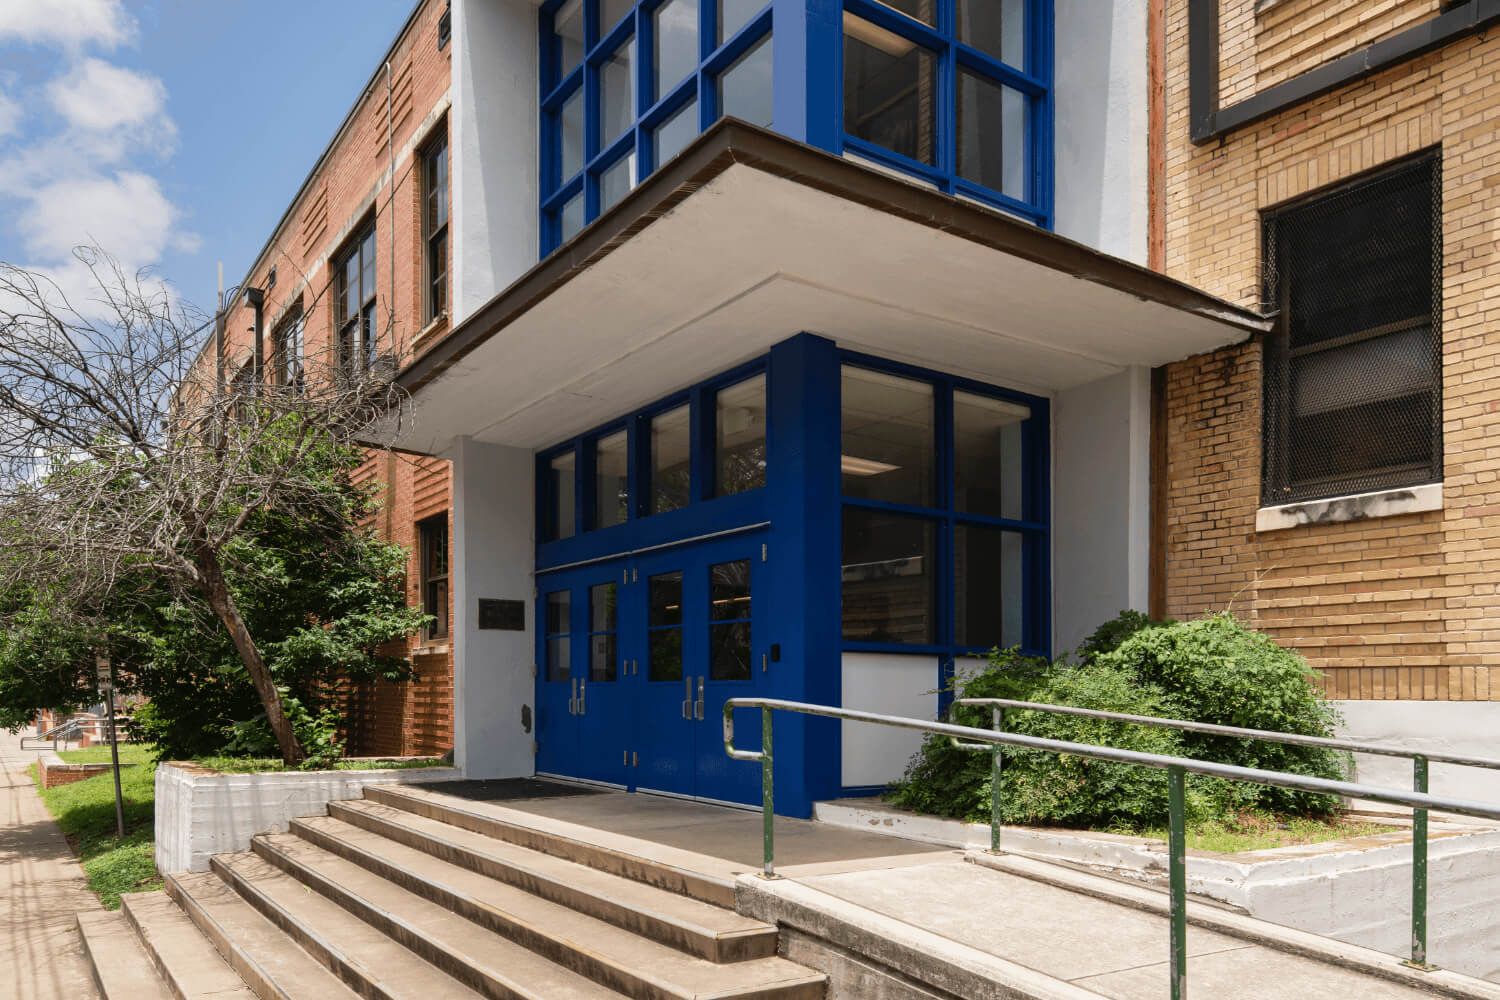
[(429, 332), (432, 649), (1358, 507)]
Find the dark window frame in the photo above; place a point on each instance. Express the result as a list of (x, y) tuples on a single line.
[(354, 334), (432, 531), (289, 368), (1280, 482), (436, 251)]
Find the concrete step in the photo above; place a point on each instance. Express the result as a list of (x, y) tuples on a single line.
[(255, 948), (387, 956), (550, 837), (187, 961), (461, 913), (682, 922), (122, 969)]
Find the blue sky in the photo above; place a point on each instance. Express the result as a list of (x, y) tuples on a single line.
[(173, 132)]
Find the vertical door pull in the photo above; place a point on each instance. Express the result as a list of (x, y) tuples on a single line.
[(583, 695), (625, 758), (573, 701), (763, 661), (687, 700), (698, 708), (635, 759)]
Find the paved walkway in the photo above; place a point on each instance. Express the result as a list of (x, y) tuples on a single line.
[(1078, 929), (41, 888)]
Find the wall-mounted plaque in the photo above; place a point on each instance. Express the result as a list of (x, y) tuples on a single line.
[(508, 616)]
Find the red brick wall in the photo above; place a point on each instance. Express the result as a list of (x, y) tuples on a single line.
[(350, 187)]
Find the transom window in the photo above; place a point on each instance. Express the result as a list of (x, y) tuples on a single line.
[(1353, 373), (706, 443), (944, 514), (627, 85), (955, 91)]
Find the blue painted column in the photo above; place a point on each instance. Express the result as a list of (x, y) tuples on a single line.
[(805, 548), (808, 51)]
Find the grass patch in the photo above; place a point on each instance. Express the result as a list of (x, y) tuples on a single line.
[(85, 810), (1254, 830), (130, 753), (256, 765)]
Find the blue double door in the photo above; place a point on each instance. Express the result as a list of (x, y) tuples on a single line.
[(636, 658)]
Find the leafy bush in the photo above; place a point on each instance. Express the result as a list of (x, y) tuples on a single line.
[(85, 810), (1212, 670)]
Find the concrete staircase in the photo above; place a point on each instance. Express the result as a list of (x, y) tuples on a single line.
[(394, 898)]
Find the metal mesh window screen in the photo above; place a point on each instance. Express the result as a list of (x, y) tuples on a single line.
[(1353, 371)]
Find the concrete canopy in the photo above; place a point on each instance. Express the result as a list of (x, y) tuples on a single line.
[(748, 238)]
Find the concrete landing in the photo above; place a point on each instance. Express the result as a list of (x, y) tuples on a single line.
[(1029, 928)]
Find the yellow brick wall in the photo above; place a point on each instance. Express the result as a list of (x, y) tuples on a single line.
[(1399, 607)]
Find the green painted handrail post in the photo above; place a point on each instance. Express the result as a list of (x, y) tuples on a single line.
[(1176, 852), (1419, 871), (996, 756), (767, 793)]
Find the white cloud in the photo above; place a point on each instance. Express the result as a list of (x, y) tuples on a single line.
[(69, 23), (101, 97), (127, 214)]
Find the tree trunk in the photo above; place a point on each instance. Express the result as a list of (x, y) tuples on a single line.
[(216, 592)]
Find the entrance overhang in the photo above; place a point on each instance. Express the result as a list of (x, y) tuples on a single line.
[(748, 238)]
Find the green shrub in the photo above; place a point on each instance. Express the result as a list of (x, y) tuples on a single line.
[(1212, 670), (85, 810)]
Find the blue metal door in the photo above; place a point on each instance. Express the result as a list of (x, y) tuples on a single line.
[(663, 645), (605, 709), (735, 664), (557, 672)]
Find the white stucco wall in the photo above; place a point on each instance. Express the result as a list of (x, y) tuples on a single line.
[(1101, 503), (493, 551), (892, 684), (1471, 728), (1102, 101), (494, 137)]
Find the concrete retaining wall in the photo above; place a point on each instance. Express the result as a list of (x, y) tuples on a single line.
[(200, 813)]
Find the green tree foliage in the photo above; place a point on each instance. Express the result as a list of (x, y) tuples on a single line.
[(320, 593), (1211, 670)]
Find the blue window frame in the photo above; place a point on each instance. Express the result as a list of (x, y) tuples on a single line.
[(705, 446), (957, 92), (945, 511), (626, 85)]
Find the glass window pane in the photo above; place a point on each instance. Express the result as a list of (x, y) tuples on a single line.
[(670, 450), (610, 12), (745, 90), (611, 482), (568, 24), (617, 97), (740, 448), (559, 649), (889, 585), (617, 180), (666, 599), (988, 595), (735, 14), (888, 440), (570, 137), (729, 590), (570, 221), (890, 88), (560, 520), (603, 645), (675, 49), (558, 625), (729, 652), (995, 27), (987, 456), (991, 134), (666, 655), (676, 132)]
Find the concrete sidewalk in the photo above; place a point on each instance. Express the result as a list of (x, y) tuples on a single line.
[(42, 888)]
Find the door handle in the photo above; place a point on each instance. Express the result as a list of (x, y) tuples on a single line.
[(687, 701), (583, 696), (698, 708), (573, 701)]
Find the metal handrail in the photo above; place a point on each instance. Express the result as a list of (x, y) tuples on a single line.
[(51, 734), (1176, 767), (1419, 759)]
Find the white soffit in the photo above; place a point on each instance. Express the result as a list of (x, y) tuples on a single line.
[(752, 258)]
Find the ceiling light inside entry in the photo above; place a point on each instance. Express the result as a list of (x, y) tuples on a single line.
[(875, 36), (853, 466)]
